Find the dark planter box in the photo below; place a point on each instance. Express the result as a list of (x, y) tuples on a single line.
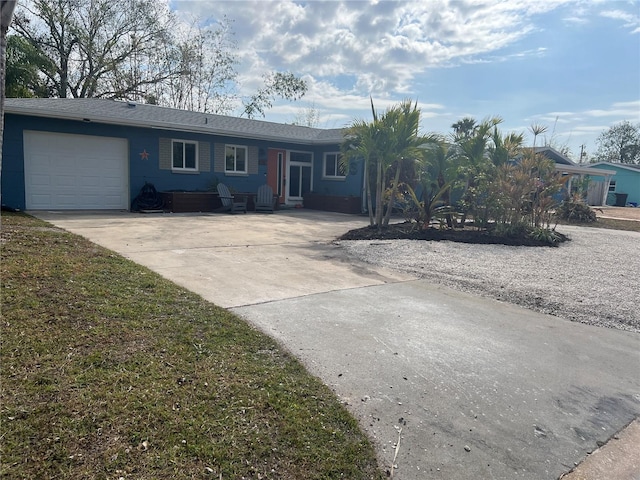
[(182, 202), (332, 203)]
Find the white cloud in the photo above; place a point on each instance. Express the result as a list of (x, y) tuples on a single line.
[(634, 105), (630, 20), (622, 110), (589, 129), (382, 45), (347, 50), (618, 111)]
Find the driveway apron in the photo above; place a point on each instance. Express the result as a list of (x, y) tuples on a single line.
[(448, 385)]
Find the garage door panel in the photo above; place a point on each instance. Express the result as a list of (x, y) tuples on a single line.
[(112, 202), (92, 201), (64, 181), (110, 182), (64, 171), (40, 180), (65, 201), (64, 163), (90, 182), (41, 159), (41, 201)]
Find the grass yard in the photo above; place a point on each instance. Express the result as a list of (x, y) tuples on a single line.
[(610, 223), (616, 224), (109, 371)]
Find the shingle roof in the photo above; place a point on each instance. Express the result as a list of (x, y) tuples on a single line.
[(627, 166), (142, 115), (552, 154)]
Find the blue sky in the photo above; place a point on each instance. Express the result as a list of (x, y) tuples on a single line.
[(572, 65)]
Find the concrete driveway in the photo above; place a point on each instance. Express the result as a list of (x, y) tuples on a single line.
[(450, 385)]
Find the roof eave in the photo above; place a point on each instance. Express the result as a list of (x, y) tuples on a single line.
[(163, 126), (615, 165), (584, 170)]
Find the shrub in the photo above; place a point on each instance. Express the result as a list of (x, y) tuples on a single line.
[(546, 235), (575, 210)]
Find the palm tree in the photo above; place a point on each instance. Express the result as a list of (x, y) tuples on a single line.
[(401, 125), (504, 148), (471, 154), (464, 128), (436, 173), (387, 142), (360, 143), (537, 129)]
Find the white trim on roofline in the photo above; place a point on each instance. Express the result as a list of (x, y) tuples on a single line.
[(611, 164), (575, 169)]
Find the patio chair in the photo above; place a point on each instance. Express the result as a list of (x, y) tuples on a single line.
[(264, 200), (229, 202)]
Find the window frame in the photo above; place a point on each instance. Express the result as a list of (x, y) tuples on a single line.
[(235, 171), (612, 186), (336, 176), (184, 168)]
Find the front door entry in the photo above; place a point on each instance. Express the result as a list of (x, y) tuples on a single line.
[(276, 172), (299, 180)]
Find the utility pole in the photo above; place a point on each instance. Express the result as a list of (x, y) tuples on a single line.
[(582, 153)]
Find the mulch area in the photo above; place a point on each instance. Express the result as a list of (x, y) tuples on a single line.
[(408, 231)]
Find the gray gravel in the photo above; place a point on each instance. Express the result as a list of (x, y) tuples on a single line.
[(593, 279)]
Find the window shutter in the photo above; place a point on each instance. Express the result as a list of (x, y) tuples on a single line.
[(253, 161), (218, 157), (204, 156), (164, 155)]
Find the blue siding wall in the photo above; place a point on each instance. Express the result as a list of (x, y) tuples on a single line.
[(627, 181), (351, 185), (141, 170), (12, 188)]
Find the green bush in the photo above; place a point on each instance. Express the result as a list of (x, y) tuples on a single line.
[(575, 210), (546, 235)]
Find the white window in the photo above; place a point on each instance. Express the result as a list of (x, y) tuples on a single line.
[(332, 167), (184, 155), (236, 159), (612, 185)]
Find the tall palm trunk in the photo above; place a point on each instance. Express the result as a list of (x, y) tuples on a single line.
[(446, 197), (379, 191), (394, 190), (367, 187)]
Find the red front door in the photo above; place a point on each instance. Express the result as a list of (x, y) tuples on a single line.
[(276, 176)]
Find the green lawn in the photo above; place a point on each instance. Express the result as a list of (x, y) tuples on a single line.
[(109, 371), (611, 224)]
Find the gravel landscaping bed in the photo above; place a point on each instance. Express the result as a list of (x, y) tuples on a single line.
[(593, 279)]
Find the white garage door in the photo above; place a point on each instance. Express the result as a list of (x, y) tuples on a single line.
[(75, 172)]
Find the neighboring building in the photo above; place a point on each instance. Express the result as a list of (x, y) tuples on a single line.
[(626, 182), (62, 154), (598, 186)]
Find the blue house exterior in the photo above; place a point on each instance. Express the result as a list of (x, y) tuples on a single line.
[(63, 154), (599, 180), (626, 182)]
